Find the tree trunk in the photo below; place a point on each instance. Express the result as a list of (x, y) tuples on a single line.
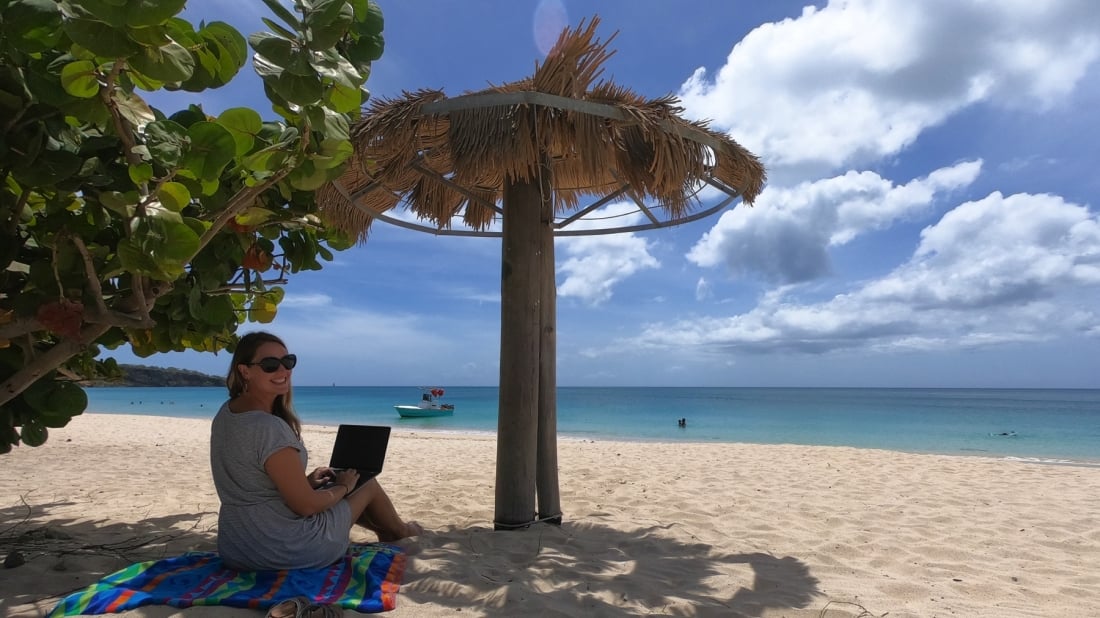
[(546, 466), (520, 332)]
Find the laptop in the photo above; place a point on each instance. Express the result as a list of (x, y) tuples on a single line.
[(362, 447)]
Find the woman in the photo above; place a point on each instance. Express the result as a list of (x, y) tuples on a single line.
[(273, 515)]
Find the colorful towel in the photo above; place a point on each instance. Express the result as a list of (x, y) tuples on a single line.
[(366, 580)]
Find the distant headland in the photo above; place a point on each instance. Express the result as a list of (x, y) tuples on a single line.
[(144, 375)]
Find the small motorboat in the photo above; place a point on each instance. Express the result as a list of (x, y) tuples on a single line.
[(429, 405)]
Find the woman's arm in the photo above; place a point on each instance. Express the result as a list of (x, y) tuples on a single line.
[(285, 469)]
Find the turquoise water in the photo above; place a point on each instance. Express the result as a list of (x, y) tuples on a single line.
[(1048, 425)]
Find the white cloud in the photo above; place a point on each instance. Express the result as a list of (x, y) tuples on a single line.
[(998, 251), (860, 79), (785, 237), (593, 265), (703, 290), (306, 300), (1021, 268)]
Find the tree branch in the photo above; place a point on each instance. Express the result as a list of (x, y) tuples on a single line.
[(89, 271), (48, 361), (122, 126), (19, 327)]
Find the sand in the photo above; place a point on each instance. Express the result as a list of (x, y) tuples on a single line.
[(650, 529)]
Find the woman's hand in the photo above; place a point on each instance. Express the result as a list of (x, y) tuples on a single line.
[(320, 476), (348, 478)]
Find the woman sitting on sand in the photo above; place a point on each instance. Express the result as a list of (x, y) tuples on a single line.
[(273, 515)]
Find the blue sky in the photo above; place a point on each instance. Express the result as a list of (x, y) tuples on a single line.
[(931, 217)]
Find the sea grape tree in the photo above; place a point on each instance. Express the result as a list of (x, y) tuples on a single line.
[(124, 224)]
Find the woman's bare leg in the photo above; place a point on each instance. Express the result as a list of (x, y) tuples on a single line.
[(372, 509)]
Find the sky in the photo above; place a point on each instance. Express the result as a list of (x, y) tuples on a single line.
[(931, 218)]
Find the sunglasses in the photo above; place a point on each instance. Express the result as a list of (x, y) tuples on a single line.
[(271, 364)]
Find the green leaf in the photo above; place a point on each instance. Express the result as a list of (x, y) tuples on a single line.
[(174, 196), (154, 36), (167, 141), (32, 26), (344, 99), (218, 50), (298, 89), (254, 216), (99, 38), (123, 204), (49, 168), (329, 123), (218, 310), (263, 310), (189, 116), (158, 247), (144, 82), (366, 50), (335, 67), (332, 153), (339, 240), (212, 148), (154, 209), (168, 63), (327, 23), (284, 14), (134, 109), (373, 22), (243, 124), (35, 433), (279, 30), (63, 400), (141, 13), (108, 11), (80, 79), (266, 160), (308, 177), (141, 173), (276, 49)]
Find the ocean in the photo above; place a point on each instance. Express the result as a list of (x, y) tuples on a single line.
[(1051, 426)]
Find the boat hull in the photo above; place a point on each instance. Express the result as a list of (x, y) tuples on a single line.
[(418, 412)]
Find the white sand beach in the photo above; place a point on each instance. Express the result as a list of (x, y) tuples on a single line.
[(650, 529)]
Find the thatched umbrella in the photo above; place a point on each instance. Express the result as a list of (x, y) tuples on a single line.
[(536, 147)]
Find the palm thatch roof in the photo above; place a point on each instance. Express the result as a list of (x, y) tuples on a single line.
[(450, 157)]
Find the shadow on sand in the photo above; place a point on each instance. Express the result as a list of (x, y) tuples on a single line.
[(576, 568), (592, 569), (63, 554)]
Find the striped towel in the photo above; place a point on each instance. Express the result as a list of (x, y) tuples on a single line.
[(365, 580)]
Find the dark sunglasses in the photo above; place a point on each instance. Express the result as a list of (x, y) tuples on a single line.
[(271, 364)]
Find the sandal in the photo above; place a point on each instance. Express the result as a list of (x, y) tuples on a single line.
[(290, 608), (322, 611)]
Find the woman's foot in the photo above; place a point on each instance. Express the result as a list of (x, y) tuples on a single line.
[(411, 529)]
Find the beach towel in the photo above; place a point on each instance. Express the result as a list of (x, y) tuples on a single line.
[(365, 580)]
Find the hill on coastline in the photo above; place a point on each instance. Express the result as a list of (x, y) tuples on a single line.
[(144, 375)]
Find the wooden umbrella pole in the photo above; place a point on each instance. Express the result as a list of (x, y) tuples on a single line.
[(520, 334), (546, 467)]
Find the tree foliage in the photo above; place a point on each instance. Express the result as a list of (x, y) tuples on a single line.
[(123, 224)]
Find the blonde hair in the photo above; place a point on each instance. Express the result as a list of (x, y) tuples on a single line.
[(234, 381)]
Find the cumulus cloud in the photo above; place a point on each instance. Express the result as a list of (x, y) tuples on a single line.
[(786, 237), (593, 265), (859, 80), (997, 251), (1001, 269)]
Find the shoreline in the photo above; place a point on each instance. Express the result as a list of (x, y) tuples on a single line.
[(581, 437), (992, 423), (705, 529)]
